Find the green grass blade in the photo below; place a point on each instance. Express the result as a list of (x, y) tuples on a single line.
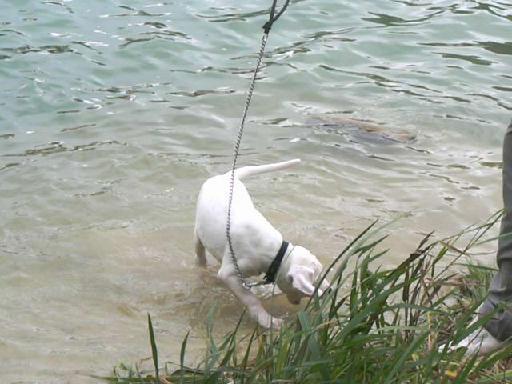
[(154, 350)]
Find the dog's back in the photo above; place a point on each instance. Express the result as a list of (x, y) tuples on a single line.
[(247, 224)]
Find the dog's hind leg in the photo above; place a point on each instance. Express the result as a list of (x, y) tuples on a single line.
[(200, 251)]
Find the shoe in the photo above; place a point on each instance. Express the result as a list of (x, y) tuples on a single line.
[(480, 342)]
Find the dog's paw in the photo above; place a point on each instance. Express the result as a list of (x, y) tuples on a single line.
[(276, 323), (267, 321)]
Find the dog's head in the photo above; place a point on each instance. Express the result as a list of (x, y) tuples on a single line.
[(303, 272)]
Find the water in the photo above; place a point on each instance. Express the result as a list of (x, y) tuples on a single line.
[(113, 113)]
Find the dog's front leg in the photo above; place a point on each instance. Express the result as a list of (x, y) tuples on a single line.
[(253, 304)]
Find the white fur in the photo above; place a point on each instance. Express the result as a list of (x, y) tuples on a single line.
[(255, 242)]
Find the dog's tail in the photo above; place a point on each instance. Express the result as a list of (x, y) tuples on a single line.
[(243, 172)]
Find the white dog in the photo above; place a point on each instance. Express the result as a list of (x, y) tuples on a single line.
[(256, 243)]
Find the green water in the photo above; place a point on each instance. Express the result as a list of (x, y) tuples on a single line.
[(113, 113)]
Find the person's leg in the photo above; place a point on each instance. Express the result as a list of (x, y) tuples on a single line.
[(497, 332), (500, 290)]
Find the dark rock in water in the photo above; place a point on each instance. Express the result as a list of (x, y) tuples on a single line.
[(361, 130)]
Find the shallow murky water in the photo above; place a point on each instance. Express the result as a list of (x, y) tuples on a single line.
[(113, 113)]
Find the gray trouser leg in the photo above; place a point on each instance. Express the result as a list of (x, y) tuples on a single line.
[(500, 291)]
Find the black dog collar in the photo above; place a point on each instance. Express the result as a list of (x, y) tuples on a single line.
[(271, 274)]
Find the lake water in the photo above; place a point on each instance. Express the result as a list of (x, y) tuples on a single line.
[(113, 113)]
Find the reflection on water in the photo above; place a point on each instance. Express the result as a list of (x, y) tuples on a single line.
[(113, 114)]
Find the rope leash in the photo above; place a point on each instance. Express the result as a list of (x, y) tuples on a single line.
[(266, 28)]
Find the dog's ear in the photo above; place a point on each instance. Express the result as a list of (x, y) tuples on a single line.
[(301, 279)]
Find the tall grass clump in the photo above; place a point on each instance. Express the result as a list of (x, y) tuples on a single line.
[(376, 325)]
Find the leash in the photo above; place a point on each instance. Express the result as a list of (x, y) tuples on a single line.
[(273, 17)]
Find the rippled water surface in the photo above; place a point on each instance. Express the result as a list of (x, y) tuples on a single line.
[(113, 113)]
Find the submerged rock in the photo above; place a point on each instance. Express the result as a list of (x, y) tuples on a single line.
[(361, 130)]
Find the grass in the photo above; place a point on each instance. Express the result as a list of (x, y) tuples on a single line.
[(376, 325)]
